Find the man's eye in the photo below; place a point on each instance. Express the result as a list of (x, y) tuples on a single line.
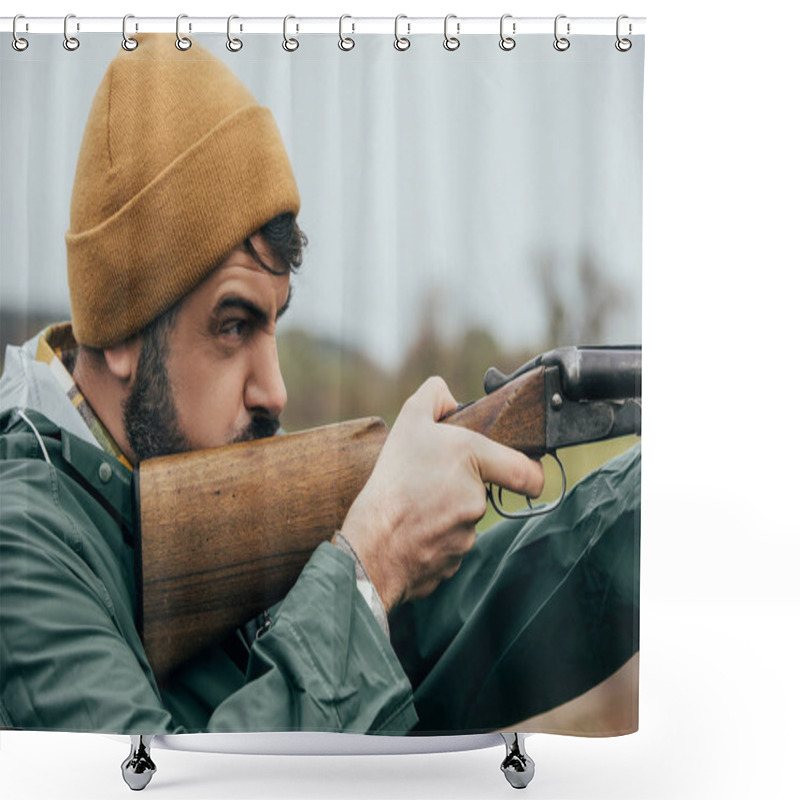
[(236, 327)]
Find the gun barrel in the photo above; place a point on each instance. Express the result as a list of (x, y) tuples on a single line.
[(587, 373), (598, 373)]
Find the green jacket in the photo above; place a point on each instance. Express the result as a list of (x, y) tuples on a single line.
[(70, 655)]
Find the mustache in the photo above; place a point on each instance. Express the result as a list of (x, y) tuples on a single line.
[(260, 427)]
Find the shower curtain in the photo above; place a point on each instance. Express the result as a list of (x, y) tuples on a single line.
[(465, 206)]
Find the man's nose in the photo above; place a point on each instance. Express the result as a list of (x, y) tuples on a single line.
[(265, 388)]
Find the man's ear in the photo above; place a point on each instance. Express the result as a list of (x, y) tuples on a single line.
[(122, 359)]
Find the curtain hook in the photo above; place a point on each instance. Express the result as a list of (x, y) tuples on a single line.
[(70, 42), (623, 45), (289, 45), (451, 42), (234, 45), (401, 42), (182, 42), (128, 42), (346, 43), (507, 42), (18, 43), (561, 43)]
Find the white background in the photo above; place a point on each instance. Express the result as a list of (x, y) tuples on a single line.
[(720, 604)]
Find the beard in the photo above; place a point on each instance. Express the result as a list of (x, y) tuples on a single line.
[(151, 418)]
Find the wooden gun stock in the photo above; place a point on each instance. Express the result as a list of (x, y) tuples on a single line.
[(225, 533)]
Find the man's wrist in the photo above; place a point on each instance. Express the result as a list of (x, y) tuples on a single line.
[(364, 583)]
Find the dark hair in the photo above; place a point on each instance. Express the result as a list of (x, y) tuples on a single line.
[(286, 241)]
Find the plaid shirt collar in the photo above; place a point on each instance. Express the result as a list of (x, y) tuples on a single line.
[(56, 348)]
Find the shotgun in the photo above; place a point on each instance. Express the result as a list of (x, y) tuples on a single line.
[(224, 533)]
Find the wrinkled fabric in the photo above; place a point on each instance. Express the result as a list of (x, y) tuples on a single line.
[(540, 611)]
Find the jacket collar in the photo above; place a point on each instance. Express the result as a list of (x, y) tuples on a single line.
[(107, 479), (36, 378)]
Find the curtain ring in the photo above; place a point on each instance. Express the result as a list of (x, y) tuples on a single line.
[(345, 42), (507, 42), (451, 42), (70, 42), (623, 45), (128, 42), (289, 45), (181, 42), (18, 43), (561, 43), (234, 45), (401, 42)]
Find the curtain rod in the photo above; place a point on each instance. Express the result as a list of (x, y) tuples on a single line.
[(406, 26)]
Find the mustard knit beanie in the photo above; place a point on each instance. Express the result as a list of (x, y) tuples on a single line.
[(178, 165)]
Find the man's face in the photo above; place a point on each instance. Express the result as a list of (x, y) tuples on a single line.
[(220, 381)]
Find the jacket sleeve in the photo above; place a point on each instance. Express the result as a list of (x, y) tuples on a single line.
[(324, 664), (70, 658)]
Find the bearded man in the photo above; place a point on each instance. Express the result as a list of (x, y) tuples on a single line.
[(181, 249)]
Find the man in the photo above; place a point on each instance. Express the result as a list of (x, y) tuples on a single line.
[(180, 252)]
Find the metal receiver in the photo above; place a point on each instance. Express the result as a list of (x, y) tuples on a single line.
[(591, 394)]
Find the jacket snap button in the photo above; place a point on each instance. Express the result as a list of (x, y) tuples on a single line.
[(105, 472)]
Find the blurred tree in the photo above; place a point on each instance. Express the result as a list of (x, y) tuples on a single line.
[(601, 297), (580, 313), (328, 382), (554, 305)]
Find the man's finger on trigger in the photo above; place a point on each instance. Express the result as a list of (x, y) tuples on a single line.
[(506, 467)]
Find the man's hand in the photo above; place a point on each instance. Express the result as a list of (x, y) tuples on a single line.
[(415, 518)]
